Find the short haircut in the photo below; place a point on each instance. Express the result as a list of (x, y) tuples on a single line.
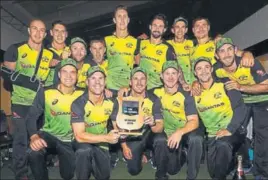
[(36, 20), (97, 39), (54, 23), (199, 19), (119, 8), (160, 17)]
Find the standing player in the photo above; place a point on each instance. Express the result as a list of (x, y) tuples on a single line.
[(121, 51), (30, 63)]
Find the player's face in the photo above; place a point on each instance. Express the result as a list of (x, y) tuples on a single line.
[(226, 54), (97, 50), (68, 75), (170, 77), (78, 51), (201, 29), (157, 28), (59, 33), (121, 19), (138, 82), (179, 29), (203, 71), (37, 31), (96, 83)]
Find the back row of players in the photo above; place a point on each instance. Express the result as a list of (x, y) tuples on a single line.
[(170, 114)]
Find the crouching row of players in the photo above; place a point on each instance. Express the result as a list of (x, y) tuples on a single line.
[(171, 124)]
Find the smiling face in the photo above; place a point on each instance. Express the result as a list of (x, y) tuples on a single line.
[(201, 29), (226, 55), (170, 77), (59, 33), (37, 31), (78, 51), (68, 75), (179, 29), (96, 83), (97, 50), (138, 82), (203, 71), (157, 28)]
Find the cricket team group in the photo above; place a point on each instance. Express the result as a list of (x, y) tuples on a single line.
[(198, 98)]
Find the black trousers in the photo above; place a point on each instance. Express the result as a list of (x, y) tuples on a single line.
[(37, 159), (171, 160), (260, 128), (221, 152), (20, 140), (91, 159)]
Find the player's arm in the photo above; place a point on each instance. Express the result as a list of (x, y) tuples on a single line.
[(55, 60), (79, 128), (239, 110), (10, 57), (35, 111), (247, 58)]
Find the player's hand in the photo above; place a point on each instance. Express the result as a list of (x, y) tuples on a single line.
[(113, 136), (143, 36), (127, 152), (66, 53), (222, 133), (108, 93), (174, 140), (196, 89), (37, 143), (232, 85), (122, 91), (247, 59), (186, 87), (149, 120), (54, 62)]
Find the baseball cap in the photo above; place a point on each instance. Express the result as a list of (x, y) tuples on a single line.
[(223, 41), (94, 69), (68, 61), (78, 39), (137, 69), (180, 19), (200, 59), (170, 64)]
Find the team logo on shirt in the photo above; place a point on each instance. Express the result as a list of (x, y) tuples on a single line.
[(107, 112), (187, 47), (217, 95), (146, 111), (88, 114), (55, 101), (45, 59), (159, 52), (129, 45), (243, 78), (210, 49), (112, 44), (176, 103), (24, 55)]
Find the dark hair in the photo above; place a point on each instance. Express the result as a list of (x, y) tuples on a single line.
[(160, 17), (119, 8), (199, 19), (58, 22), (97, 39)]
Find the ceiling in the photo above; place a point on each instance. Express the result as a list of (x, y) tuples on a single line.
[(90, 18)]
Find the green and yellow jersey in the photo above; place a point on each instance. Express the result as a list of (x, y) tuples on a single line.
[(95, 117), (220, 109), (29, 62), (120, 55), (245, 76), (51, 75), (56, 107), (153, 56), (204, 50), (183, 51), (175, 108)]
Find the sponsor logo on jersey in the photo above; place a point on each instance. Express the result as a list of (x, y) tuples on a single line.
[(55, 101), (202, 109), (54, 113), (261, 72), (24, 55)]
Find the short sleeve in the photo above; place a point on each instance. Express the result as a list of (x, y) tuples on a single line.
[(115, 110), (170, 53), (137, 50), (77, 111), (11, 55), (157, 106), (258, 72), (189, 104)]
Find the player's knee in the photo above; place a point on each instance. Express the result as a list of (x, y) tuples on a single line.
[(134, 171), (83, 153), (196, 140), (160, 140)]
